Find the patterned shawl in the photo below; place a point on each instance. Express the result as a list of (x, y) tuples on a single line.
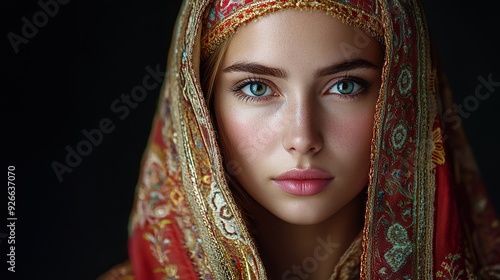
[(427, 214)]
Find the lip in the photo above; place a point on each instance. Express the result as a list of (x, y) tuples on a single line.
[(303, 182)]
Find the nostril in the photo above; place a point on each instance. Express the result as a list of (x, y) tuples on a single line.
[(303, 143)]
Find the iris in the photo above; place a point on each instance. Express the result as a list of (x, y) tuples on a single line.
[(346, 87), (258, 89)]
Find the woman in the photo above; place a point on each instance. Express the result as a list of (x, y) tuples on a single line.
[(304, 140)]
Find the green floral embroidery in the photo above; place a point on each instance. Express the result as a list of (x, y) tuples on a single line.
[(399, 136), (405, 80)]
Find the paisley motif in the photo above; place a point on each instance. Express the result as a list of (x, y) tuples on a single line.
[(224, 219), (401, 246)]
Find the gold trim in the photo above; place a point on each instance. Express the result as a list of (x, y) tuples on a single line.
[(347, 13), (380, 112), (425, 225), (191, 120)]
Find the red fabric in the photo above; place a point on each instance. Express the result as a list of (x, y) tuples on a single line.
[(466, 231), (448, 230), (147, 267)]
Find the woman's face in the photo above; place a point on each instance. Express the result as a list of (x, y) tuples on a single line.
[(294, 101)]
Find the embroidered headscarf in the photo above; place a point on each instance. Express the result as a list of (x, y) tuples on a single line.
[(427, 214)]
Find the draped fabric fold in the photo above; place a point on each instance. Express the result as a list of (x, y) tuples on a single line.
[(427, 215)]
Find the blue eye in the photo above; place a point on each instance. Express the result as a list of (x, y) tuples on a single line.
[(345, 87), (256, 89)]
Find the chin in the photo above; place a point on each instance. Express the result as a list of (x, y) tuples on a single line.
[(305, 215)]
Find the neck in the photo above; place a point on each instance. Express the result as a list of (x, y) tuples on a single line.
[(306, 251)]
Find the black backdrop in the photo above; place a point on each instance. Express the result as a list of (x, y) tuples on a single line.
[(62, 84)]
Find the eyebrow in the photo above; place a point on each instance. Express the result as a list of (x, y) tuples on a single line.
[(260, 69), (256, 68), (345, 66)]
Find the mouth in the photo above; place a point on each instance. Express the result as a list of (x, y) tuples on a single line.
[(303, 182)]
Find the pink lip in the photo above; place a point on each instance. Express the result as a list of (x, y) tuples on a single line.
[(303, 182)]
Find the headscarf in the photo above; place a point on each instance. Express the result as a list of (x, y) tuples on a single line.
[(427, 213)]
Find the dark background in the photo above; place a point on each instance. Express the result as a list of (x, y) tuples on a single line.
[(65, 78)]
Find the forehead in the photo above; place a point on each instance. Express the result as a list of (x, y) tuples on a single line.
[(293, 34)]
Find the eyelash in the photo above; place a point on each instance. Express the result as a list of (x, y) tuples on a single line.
[(236, 89)]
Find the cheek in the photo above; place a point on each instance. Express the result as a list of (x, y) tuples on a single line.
[(357, 131), (353, 141), (244, 136)]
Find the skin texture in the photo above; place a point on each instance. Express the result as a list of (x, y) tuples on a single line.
[(301, 121)]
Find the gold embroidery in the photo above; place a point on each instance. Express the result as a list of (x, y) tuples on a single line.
[(449, 269), (348, 265), (176, 196), (438, 155), (347, 13), (170, 271)]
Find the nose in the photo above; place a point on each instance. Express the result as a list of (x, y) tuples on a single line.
[(302, 124)]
